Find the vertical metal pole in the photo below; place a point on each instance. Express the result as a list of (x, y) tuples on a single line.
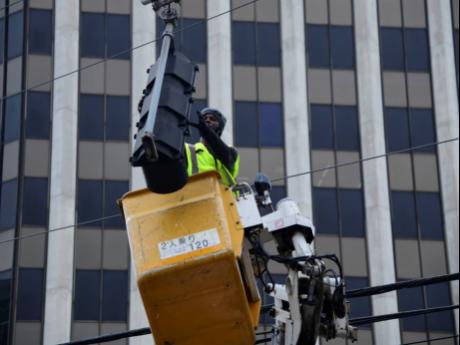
[(157, 88)]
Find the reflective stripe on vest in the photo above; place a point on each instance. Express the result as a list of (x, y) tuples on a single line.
[(193, 160)]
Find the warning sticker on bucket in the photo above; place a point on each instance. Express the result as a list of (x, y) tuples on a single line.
[(189, 243)]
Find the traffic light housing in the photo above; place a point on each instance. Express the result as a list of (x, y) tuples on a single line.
[(159, 148)]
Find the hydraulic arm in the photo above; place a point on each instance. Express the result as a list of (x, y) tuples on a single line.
[(197, 245)]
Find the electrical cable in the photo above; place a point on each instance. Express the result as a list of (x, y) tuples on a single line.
[(401, 315), (186, 28), (363, 160), (284, 178), (432, 340), (134, 333), (111, 337), (10, 5), (401, 285), (92, 221)]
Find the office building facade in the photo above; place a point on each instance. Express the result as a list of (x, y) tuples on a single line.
[(305, 84)]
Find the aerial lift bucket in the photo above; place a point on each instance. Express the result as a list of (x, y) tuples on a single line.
[(186, 248)]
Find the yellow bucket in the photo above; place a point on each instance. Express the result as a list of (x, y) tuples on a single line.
[(186, 248)]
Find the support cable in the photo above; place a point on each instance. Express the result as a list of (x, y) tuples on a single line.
[(401, 285), (353, 322), (363, 160), (111, 337), (131, 334), (186, 28), (10, 5), (401, 315), (283, 178), (432, 340)]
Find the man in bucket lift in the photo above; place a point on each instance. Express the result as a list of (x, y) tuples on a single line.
[(212, 153)]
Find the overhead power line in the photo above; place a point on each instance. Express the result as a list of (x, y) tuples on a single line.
[(283, 178), (401, 315), (383, 155), (111, 337), (186, 28), (432, 340), (10, 5), (401, 285), (131, 334), (66, 227), (354, 322)]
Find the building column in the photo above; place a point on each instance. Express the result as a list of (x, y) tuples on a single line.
[(60, 262), (376, 186), (144, 30), (220, 93), (444, 77), (295, 102)]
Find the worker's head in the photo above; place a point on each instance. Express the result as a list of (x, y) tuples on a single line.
[(214, 119)]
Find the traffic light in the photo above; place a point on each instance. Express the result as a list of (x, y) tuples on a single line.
[(165, 114)]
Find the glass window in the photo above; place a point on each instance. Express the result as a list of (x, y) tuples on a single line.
[(318, 46), (115, 296), (87, 295), (268, 44), (40, 31), (325, 210), (322, 127), (193, 40), (35, 201), (114, 190), (412, 299), (9, 197), (422, 128), (397, 129), (30, 294), (244, 39), (417, 50), (438, 295), (271, 131), (403, 215), (392, 49), (91, 118), (278, 193), (246, 124), (346, 128), (89, 203), (15, 34), (118, 122), (5, 290), (351, 212), (361, 307), (38, 115), (430, 216), (342, 47), (118, 36), (92, 40), (12, 122)]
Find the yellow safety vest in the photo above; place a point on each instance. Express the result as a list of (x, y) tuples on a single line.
[(200, 160)]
